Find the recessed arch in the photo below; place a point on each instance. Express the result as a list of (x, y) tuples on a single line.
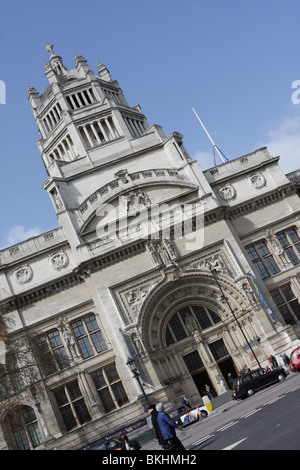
[(197, 289)]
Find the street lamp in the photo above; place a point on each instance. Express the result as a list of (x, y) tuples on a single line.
[(214, 273), (132, 367)]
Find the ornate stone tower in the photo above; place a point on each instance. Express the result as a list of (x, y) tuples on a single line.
[(96, 148)]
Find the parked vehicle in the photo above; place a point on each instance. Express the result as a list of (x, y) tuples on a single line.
[(114, 444), (295, 360), (247, 384), (184, 417)]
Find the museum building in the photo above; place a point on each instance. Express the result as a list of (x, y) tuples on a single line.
[(161, 278)]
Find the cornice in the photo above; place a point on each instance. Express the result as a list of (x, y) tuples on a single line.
[(266, 199), (77, 277)]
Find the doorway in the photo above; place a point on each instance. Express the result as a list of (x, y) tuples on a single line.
[(227, 367), (201, 379)]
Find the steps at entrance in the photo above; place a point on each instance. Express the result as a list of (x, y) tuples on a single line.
[(221, 399)]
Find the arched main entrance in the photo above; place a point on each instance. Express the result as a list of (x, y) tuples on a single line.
[(185, 329)]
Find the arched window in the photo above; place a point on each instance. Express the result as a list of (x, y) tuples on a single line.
[(24, 428), (177, 328)]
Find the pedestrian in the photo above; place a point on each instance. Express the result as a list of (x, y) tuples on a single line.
[(230, 380), (208, 392), (185, 403), (286, 359), (274, 362), (168, 428), (222, 386), (154, 414)]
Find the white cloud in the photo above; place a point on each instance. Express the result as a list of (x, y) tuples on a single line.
[(284, 140), (18, 233)]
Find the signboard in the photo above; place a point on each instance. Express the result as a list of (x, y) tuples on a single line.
[(260, 295)]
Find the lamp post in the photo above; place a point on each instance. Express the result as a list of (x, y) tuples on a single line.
[(214, 273), (132, 367)]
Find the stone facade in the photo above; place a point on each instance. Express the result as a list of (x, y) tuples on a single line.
[(192, 274)]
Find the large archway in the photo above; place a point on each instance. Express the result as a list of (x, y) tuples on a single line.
[(185, 318)]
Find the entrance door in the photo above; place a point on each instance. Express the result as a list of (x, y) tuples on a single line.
[(201, 379), (227, 367)]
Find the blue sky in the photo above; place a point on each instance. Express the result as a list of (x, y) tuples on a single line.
[(234, 61)]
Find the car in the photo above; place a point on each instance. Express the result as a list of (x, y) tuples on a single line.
[(114, 444), (295, 360), (247, 384), (183, 417)]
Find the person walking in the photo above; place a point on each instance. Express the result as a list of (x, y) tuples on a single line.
[(209, 393), (286, 359), (185, 403), (168, 427), (154, 415), (274, 363)]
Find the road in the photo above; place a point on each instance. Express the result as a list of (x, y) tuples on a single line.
[(267, 421)]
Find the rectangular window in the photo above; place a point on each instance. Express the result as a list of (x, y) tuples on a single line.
[(262, 259), (71, 405), (109, 387), (193, 361), (218, 350), (51, 353), (89, 336), (14, 373), (290, 242), (287, 304)]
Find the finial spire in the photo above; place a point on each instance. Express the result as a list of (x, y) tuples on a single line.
[(49, 48)]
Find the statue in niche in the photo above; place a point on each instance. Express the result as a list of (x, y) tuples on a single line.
[(137, 342), (56, 199), (249, 293), (164, 254), (277, 248), (69, 340), (191, 324)]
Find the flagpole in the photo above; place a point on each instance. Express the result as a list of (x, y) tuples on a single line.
[(219, 153)]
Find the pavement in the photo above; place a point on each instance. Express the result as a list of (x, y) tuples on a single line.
[(148, 441)]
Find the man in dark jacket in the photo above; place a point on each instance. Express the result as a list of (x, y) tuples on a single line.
[(167, 427), (154, 415)]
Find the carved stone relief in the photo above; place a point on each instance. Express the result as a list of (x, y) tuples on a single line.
[(135, 201), (227, 192), (132, 298), (216, 261), (23, 274), (257, 180), (58, 260)]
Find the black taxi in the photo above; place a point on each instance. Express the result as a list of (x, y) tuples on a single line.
[(247, 384)]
